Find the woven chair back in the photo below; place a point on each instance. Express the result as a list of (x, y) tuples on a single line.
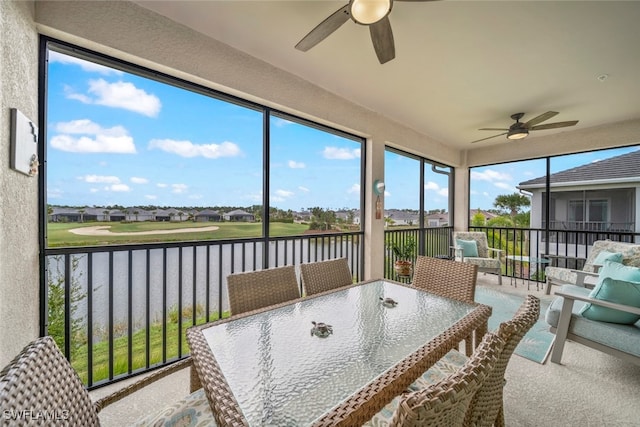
[(323, 276), (445, 403), (446, 278), (39, 386), (257, 289), (487, 406)]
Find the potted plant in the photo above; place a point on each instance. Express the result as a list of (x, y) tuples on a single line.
[(404, 252)]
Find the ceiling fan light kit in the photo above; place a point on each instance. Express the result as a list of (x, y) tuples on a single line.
[(372, 13), (518, 134), (520, 130), (367, 12)]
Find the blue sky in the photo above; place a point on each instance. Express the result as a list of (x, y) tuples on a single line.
[(117, 138), (490, 181)]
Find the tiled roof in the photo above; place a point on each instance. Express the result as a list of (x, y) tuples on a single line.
[(623, 166)]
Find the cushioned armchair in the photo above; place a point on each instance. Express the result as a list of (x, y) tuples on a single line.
[(473, 247)]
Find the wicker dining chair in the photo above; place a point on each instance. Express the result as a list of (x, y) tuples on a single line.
[(257, 289), (450, 279), (487, 407), (446, 402), (325, 275), (40, 381)]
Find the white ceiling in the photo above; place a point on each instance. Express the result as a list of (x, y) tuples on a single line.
[(459, 66)]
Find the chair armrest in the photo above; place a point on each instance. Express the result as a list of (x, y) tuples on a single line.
[(499, 251), (567, 292), (583, 275), (132, 388)]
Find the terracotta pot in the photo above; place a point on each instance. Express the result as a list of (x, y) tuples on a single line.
[(403, 268)]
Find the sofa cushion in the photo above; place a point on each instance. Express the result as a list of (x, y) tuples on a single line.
[(625, 338), (469, 247), (608, 256), (617, 283)]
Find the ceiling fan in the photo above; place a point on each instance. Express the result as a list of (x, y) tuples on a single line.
[(520, 130), (373, 13)]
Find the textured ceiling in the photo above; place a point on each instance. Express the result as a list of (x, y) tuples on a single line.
[(459, 66)]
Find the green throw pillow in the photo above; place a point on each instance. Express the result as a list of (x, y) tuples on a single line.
[(469, 247), (619, 284), (607, 256)]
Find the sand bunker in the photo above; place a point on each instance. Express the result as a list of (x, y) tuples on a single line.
[(103, 230)]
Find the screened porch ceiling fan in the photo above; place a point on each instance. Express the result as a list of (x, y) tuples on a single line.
[(372, 13), (520, 130)]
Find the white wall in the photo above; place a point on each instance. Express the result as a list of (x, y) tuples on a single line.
[(19, 288)]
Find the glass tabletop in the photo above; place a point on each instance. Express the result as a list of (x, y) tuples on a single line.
[(281, 373)]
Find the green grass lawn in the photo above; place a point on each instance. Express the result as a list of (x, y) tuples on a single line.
[(138, 345), (59, 236)]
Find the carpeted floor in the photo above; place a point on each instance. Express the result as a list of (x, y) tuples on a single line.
[(535, 345)]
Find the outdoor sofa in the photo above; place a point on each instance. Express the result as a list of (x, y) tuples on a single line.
[(588, 276), (606, 318)]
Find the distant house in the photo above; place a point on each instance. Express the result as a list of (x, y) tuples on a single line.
[(64, 215), (403, 217), (599, 196), (437, 220), (207, 215), (239, 215)]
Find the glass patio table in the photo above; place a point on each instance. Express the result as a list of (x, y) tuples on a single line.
[(272, 367)]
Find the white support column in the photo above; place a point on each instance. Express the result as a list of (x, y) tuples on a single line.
[(461, 199), (373, 227)]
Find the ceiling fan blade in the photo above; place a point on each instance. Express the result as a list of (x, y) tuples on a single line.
[(382, 38), (324, 29), (541, 118), (484, 139), (555, 125), (493, 129)]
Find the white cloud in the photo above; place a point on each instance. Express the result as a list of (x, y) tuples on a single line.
[(335, 153), (119, 188), (490, 175), (179, 188), (161, 185), (118, 95), (504, 185), (296, 165), (138, 180), (189, 149), (85, 136), (101, 179), (355, 189), (150, 197), (281, 122), (303, 189), (431, 186), (435, 187), (93, 190), (85, 65), (284, 193)]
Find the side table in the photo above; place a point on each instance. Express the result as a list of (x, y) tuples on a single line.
[(537, 261)]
